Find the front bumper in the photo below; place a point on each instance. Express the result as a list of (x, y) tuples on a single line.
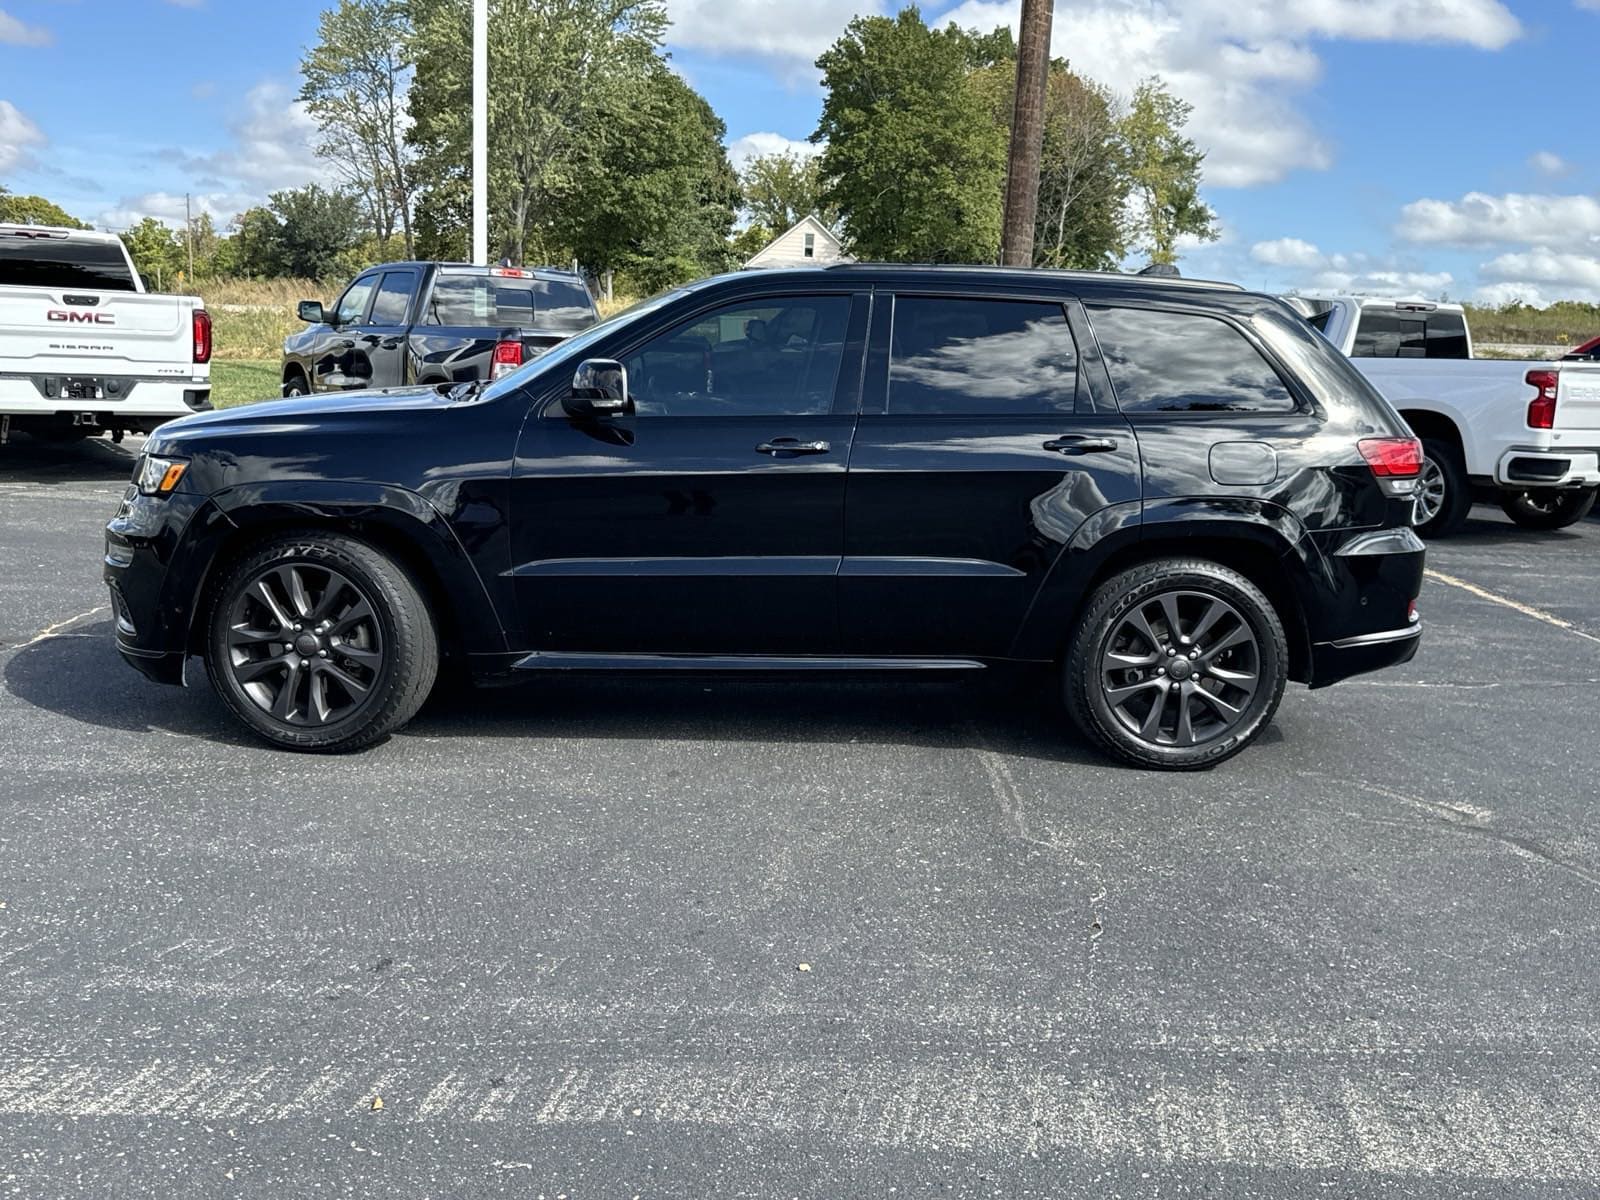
[(150, 605), (1523, 467)]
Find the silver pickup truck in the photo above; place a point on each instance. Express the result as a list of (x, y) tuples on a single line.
[(84, 349)]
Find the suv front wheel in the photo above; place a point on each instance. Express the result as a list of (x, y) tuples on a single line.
[(1177, 664), (318, 641)]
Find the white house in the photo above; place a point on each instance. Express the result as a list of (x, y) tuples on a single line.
[(809, 243)]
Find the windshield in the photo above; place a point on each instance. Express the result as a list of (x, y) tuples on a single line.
[(573, 349)]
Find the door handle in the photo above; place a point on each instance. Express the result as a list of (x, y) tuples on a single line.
[(1081, 444), (786, 445), (346, 344)]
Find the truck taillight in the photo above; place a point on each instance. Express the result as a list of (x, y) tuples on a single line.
[(1542, 408), (1393, 457), (507, 358), (202, 336)]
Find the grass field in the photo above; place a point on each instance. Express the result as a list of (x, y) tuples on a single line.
[(243, 381)]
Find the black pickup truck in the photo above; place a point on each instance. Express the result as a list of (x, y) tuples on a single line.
[(431, 323)]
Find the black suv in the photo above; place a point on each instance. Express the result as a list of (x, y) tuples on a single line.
[(433, 323), (1176, 492)]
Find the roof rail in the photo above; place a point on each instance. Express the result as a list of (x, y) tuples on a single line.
[(1049, 272)]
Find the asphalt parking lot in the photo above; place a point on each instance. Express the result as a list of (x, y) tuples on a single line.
[(820, 939)]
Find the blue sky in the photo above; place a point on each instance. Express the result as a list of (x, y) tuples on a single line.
[(1403, 146)]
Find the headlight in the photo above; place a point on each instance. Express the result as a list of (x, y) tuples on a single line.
[(158, 476)]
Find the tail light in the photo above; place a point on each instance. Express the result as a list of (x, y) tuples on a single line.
[(1542, 408), (202, 336), (507, 358), (1393, 458)]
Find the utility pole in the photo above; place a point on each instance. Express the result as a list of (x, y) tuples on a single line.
[(480, 131), (188, 232), (1027, 133)]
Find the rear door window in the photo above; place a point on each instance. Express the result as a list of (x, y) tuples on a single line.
[(394, 299), (1177, 362), (1383, 334), (37, 260), (953, 356)]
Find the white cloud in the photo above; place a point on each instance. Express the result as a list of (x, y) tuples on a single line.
[(1547, 162), (1306, 268), (272, 139), (1571, 275), (1239, 62), (774, 29), (1287, 252), (755, 145), (1591, 5), (14, 32), (18, 135), (1496, 294), (1478, 219)]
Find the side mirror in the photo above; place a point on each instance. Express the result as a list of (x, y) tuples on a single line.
[(599, 389), (311, 312)]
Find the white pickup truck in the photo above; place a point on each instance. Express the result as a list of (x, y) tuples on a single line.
[(1526, 434), (83, 348)]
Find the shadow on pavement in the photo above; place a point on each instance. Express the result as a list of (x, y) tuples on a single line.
[(80, 677), (25, 459)]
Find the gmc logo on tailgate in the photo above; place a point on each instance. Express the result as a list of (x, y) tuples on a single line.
[(81, 318)]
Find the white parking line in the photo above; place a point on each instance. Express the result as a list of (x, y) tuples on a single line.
[(1527, 610), (50, 631)]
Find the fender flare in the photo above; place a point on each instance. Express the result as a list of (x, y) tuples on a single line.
[(392, 518)]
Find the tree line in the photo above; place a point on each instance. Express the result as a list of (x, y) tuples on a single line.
[(600, 153)]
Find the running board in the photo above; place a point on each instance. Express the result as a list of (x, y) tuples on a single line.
[(568, 661)]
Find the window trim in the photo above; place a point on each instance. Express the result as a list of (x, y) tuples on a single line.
[(1304, 404), (881, 355), (848, 388)]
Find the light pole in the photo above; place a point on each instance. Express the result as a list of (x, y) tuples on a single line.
[(1027, 133), (480, 131)]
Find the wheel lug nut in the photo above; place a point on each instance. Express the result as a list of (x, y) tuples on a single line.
[(322, 654)]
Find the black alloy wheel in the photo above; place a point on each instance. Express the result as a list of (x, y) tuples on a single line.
[(320, 641), (1176, 664)]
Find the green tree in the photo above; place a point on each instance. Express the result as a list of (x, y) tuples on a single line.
[(782, 189), (36, 210), (156, 252), (440, 107), (658, 201), (750, 241), (560, 70), (256, 245), (1163, 170), (355, 81), (314, 227), (914, 161), (1083, 181)]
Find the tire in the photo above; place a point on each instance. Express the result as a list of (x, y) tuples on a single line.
[(1446, 497), (1218, 663), (295, 385), (1547, 508), (352, 675)]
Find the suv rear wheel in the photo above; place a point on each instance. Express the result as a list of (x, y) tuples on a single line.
[(1177, 664), (319, 641)]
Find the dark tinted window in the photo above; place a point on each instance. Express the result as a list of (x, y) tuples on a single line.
[(1184, 362), (353, 304), (480, 301), (32, 260), (394, 298), (1390, 335), (952, 355), (768, 357), (1447, 336)]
